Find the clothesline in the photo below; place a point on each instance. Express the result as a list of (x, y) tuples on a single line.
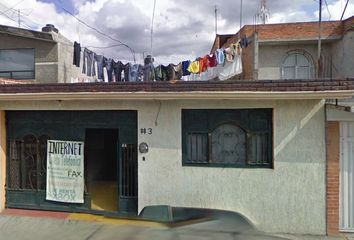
[(222, 64)]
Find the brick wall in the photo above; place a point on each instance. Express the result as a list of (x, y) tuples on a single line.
[(304, 30), (333, 151), (348, 24)]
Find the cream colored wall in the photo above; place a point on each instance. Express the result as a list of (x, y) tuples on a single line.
[(271, 57), (287, 199), (343, 57)]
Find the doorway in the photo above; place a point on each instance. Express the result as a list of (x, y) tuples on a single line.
[(347, 176), (101, 164)]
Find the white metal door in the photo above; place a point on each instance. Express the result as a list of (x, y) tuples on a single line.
[(346, 176)]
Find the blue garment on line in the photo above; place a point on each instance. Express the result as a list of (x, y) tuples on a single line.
[(100, 64), (185, 65), (89, 63), (109, 67), (220, 56)]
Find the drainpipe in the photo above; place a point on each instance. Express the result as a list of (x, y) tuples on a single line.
[(255, 56)]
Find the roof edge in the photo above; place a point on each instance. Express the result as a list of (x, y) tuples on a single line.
[(201, 95)]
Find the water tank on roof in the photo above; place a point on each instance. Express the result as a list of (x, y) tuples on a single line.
[(148, 59), (49, 28)]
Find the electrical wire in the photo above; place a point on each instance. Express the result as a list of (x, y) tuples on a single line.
[(24, 17), (100, 32), (152, 28), (329, 13), (345, 8), (111, 46), (4, 14), (11, 8)]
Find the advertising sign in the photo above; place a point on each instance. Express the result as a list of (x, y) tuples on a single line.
[(65, 171)]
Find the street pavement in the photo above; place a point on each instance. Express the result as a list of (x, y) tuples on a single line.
[(14, 227)]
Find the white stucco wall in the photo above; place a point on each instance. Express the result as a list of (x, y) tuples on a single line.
[(343, 57), (271, 57), (287, 199)]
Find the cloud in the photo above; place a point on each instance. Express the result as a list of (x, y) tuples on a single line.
[(334, 10), (182, 29)]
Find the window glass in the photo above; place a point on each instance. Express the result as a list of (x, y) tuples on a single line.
[(258, 149), (27, 162), (197, 147), (289, 72), (297, 66), (17, 63), (302, 60), (290, 61), (303, 72), (228, 144), (227, 137)]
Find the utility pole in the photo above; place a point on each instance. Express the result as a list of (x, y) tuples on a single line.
[(319, 65), (239, 32), (216, 20), (152, 29)]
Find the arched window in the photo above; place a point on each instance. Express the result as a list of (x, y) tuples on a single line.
[(297, 65), (227, 137), (228, 144), (27, 162)]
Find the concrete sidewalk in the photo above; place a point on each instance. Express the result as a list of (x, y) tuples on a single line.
[(14, 227)]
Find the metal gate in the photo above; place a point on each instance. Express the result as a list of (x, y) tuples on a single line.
[(128, 197), (347, 176)]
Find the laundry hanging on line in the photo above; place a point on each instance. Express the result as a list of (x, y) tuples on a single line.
[(223, 64)]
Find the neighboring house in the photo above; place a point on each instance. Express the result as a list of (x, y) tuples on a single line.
[(289, 50), (253, 147), (44, 57)]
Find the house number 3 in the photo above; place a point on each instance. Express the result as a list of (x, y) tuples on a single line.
[(146, 131)]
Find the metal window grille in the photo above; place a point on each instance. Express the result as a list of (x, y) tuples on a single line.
[(27, 163), (258, 150), (197, 148), (129, 171), (228, 144)]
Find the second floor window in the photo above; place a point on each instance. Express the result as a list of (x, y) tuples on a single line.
[(297, 65), (17, 63)]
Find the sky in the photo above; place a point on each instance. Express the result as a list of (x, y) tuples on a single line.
[(182, 29)]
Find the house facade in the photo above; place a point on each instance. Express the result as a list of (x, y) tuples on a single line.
[(40, 57), (289, 50), (268, 149), (275, 174)]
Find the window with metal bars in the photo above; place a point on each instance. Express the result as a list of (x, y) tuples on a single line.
[(227, 138), (27, 163)]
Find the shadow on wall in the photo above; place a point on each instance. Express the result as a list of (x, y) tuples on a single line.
[(299, 126)]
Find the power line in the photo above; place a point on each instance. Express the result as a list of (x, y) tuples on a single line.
[(24, 17), (152, 28), (116, 45), (12, 7), (216, 20), (3, 13), (345, 8), (100, 32), (329, 13)]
